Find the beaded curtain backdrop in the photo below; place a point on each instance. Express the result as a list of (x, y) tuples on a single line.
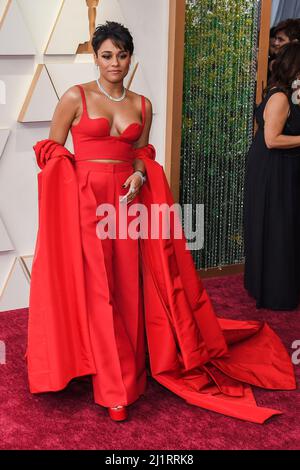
[(221, 39)]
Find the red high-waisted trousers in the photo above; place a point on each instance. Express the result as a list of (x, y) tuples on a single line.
[(113, 288)]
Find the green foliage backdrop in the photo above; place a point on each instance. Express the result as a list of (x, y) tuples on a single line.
[(218, 105)]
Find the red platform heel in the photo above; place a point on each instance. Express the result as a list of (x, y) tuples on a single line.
[(118, 413)]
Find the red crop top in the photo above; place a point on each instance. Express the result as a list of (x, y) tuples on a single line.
[(92, 139)]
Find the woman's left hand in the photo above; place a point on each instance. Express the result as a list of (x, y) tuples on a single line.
[(135, 183)]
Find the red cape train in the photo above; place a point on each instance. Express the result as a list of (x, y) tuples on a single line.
[(208, 361)]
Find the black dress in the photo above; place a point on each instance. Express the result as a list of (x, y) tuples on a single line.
[(272, 217)]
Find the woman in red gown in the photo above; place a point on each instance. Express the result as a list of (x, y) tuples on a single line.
[(96, 301)]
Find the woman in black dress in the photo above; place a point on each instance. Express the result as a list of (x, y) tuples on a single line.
[(272, 191)]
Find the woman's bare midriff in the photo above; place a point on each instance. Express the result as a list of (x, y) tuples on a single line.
[(110, 161)]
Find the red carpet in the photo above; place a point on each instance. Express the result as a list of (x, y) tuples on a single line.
[(159, 420)]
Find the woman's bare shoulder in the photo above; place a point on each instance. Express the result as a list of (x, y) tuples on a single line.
[(148, 104), (278, 97), (71, 95), (278, 101), (137, 96), (277, 106)]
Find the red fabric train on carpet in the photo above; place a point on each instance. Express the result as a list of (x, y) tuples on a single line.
[(208, 361)]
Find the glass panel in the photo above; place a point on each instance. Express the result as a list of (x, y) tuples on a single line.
[(218, 105)]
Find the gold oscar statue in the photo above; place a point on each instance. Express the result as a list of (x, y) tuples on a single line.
[(86, 47)]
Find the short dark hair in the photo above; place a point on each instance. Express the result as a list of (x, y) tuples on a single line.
[(272, 32), (285, 68), (290, 27), (117, 32)]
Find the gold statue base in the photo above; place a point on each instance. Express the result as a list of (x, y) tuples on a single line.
[(85, 48)]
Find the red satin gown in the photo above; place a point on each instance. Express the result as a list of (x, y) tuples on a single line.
[(111, 265), (90, 298)]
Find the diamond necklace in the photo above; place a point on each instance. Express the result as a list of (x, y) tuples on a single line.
[(108, 95)]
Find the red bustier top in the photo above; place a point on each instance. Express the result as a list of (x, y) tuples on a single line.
[(92, 139)]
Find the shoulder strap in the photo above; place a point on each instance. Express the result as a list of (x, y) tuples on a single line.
[(82, 97), (275, 89), (143, 110)]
